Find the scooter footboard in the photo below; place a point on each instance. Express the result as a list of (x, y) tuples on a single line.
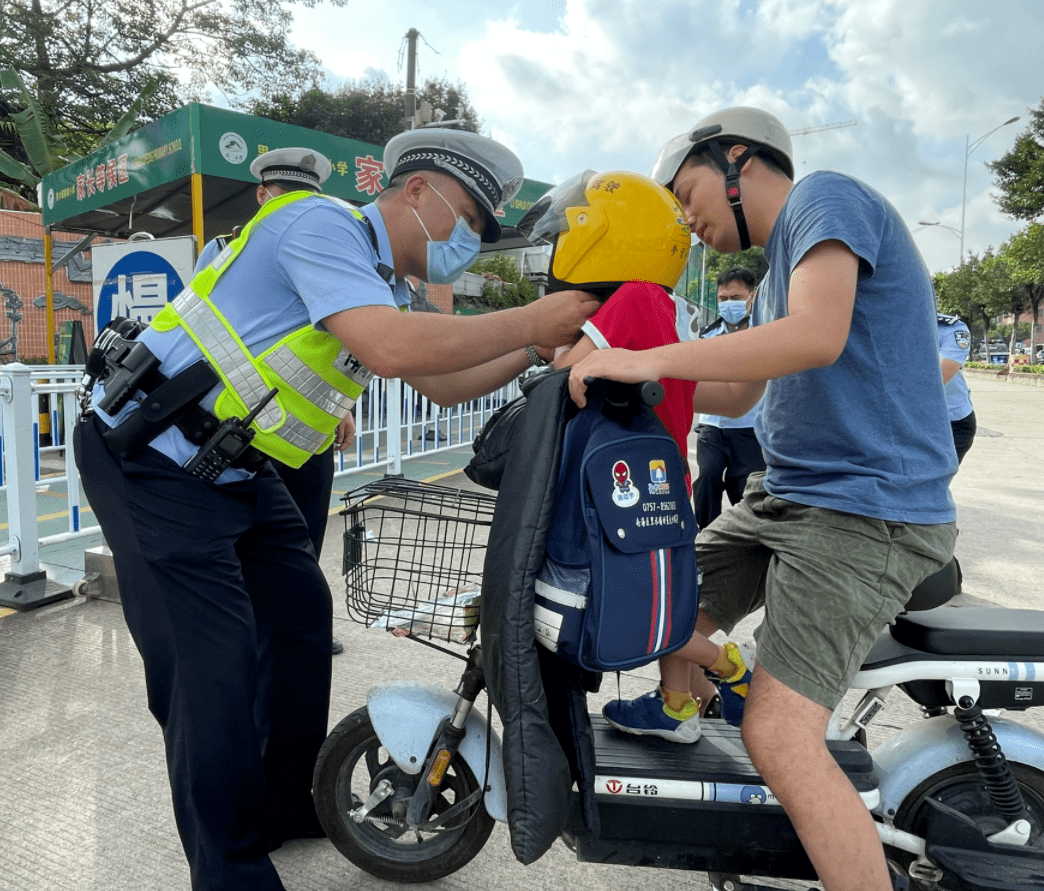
[(406, 715)]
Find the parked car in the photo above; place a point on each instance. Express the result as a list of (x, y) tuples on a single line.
[(1040, 355)]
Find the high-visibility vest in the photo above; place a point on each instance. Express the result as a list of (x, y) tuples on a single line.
[(317, 379)]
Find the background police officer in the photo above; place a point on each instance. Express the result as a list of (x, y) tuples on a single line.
[(285, 326), (727, 449), (954, 342)]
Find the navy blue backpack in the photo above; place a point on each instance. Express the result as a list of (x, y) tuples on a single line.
[(619, 586)]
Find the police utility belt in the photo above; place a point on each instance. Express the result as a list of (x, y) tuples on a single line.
[(127, 367)]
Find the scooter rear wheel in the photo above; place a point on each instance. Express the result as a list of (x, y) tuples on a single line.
[(961, 788), (351, 764)]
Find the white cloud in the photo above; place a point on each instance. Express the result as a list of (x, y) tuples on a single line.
[(571, 84)]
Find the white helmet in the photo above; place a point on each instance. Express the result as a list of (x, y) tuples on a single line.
[(762, 134)]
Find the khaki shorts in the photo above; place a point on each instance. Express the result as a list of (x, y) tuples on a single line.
[(830, 582)]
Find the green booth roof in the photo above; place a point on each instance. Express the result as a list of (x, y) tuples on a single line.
[(142, 182)]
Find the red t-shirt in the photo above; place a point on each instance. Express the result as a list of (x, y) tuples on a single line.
[(640, 316)]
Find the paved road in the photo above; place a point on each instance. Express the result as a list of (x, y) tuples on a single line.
[(83, 794)]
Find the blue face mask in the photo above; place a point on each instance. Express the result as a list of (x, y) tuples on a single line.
[(447, 260), (733, 311)]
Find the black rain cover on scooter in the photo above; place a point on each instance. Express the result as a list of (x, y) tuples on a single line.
[(537, 711)]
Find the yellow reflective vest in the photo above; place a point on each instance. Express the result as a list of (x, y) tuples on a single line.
[(317, 378)]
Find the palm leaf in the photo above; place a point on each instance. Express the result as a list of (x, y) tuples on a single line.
[(128, 122), (14, 169), (33, 127)]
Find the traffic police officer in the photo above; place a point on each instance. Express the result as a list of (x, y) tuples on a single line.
[(954, 342), (261, 356)]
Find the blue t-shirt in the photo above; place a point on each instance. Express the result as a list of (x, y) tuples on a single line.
[(724, 421), (869, 434), (304, 262), (954, 340)]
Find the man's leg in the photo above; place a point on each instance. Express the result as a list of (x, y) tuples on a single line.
[(744, 458), (784, 734), (172, 538), (834, 582), (293, 605), (963, 435), (709, 486)]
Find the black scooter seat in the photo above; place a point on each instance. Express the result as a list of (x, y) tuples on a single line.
[(973, 631)]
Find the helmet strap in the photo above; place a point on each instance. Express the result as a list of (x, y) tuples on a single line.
[(731, 170)]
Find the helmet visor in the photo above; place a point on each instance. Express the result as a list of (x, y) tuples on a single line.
[(546, 219)]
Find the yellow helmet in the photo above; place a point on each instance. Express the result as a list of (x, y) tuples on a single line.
[(610, 228)]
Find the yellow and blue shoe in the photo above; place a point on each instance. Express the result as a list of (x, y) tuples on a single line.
[(649, 715), (733, 689)]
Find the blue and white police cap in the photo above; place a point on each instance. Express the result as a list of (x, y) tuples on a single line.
[(301, 166), (491, 172)]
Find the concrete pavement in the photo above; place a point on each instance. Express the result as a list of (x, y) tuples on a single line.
[(84, 802)]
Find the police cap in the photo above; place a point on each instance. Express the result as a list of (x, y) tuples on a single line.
[(304, 167), (491, 172)]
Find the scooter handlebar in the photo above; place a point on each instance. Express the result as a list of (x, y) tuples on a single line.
[(648, 392)]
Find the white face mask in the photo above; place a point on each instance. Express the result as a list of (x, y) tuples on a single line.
[(447, 260)]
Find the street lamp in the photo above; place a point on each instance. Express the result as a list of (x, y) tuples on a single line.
[(922, 224), (970, 147)]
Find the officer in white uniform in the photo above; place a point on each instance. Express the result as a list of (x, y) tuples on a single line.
[(954, 342), (260, 357)]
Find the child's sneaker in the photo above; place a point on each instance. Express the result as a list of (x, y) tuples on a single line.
[(733, 689), (649, 715)]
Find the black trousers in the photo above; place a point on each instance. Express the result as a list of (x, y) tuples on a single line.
[(725, 457), (963, 435), (204, 571), (310, 486)]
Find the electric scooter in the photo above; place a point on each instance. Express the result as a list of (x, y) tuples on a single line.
[(408, 788)]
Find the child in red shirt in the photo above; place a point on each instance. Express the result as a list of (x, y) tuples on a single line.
[(625, 238)]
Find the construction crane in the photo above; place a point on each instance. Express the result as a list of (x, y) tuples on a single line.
[(805, 130)]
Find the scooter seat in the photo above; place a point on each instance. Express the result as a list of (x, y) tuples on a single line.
[(973, 631)]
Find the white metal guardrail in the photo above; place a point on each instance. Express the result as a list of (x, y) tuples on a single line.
[(394, 423)]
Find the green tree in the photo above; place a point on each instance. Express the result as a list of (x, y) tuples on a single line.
[(1010, 293), (505, 286), (1024, 257), (87, 61), (974, 291), (42, 149), (1020, 173), (369, 110)]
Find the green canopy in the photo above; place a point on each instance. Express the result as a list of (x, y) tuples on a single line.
[(189, 173)]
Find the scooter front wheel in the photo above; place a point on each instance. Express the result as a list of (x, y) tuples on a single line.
[(351, 766)]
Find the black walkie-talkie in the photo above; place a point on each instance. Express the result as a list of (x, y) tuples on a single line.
[(230, 440)]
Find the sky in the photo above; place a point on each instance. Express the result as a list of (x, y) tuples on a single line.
[(603, 84)]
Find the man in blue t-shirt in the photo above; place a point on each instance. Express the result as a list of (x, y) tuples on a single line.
[(954, 341), (854, 509)]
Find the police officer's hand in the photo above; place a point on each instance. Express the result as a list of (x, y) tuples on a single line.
[(345, 433), (559, 316)]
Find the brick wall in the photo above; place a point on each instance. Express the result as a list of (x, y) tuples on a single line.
[(441, 296), (27, 280)]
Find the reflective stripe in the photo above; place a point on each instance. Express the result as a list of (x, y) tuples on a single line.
[(322, 379), (560, 595)]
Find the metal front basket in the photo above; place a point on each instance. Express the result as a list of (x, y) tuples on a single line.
[(413, 555)]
